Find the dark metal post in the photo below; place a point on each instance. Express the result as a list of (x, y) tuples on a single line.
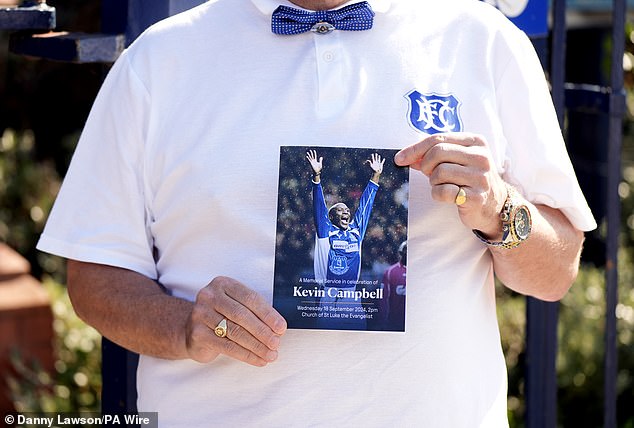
[(143, 13), (118, 370), (541, 352), (558, 59), (617, 106), (542, 317)]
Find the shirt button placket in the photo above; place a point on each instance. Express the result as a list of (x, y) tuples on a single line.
[(332, 93)]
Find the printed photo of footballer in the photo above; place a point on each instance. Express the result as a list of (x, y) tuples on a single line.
[(341, 217)]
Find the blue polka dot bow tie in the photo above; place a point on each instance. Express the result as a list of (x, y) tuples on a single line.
[(355, 17)]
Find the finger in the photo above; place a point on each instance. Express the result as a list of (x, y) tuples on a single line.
[(252, 333), (204, 345), (449, 173), (246, 340), (234, 350), (261, 321), (412, 154), (243, 306), (462, 139), (475, 158), (447, 192), (253, 307), (213, 344)]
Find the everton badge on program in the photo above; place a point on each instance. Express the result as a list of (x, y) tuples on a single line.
[(432, 113)]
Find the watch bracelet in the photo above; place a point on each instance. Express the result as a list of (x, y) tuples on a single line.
[(505, 216), (507, 245)]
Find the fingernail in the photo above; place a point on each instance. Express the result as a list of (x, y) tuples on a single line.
[(271, 356), (398, 157), (280, 326), (275, 342)]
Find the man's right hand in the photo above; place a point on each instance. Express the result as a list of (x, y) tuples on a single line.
[(254, 328), (316, 164), (134, 311)]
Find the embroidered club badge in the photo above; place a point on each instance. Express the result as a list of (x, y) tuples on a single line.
[(433, 113)]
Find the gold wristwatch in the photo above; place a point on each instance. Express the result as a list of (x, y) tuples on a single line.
[(516, 222)]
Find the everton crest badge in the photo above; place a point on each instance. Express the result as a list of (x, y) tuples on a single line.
[(433, 113)]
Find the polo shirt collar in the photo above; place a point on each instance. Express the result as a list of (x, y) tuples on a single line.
[(268, 6)]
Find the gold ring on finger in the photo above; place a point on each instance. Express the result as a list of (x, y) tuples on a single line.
[(461, 197), (221, 328)]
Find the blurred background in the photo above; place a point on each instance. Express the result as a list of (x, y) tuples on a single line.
[(51, 361)]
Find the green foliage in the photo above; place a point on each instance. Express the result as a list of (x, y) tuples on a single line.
[(21, 189), (579, 361), (76, 383), (511, 311), (27, 192), (581, 343), (580, 348)]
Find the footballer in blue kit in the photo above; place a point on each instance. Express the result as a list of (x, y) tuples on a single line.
[(339, 236)]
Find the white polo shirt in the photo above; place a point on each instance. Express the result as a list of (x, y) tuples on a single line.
[(176, 173)]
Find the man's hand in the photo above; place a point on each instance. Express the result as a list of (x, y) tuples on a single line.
[(547, 263), (108, 298), (376, 163), (254, 328), (456, 160), (316, 164)]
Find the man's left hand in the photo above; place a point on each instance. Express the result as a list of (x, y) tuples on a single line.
[(460, 160)]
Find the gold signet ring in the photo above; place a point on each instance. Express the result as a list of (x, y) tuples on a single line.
[(221, 328), (461, 197)]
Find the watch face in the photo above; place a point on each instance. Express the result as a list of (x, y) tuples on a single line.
[(522, 223)]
